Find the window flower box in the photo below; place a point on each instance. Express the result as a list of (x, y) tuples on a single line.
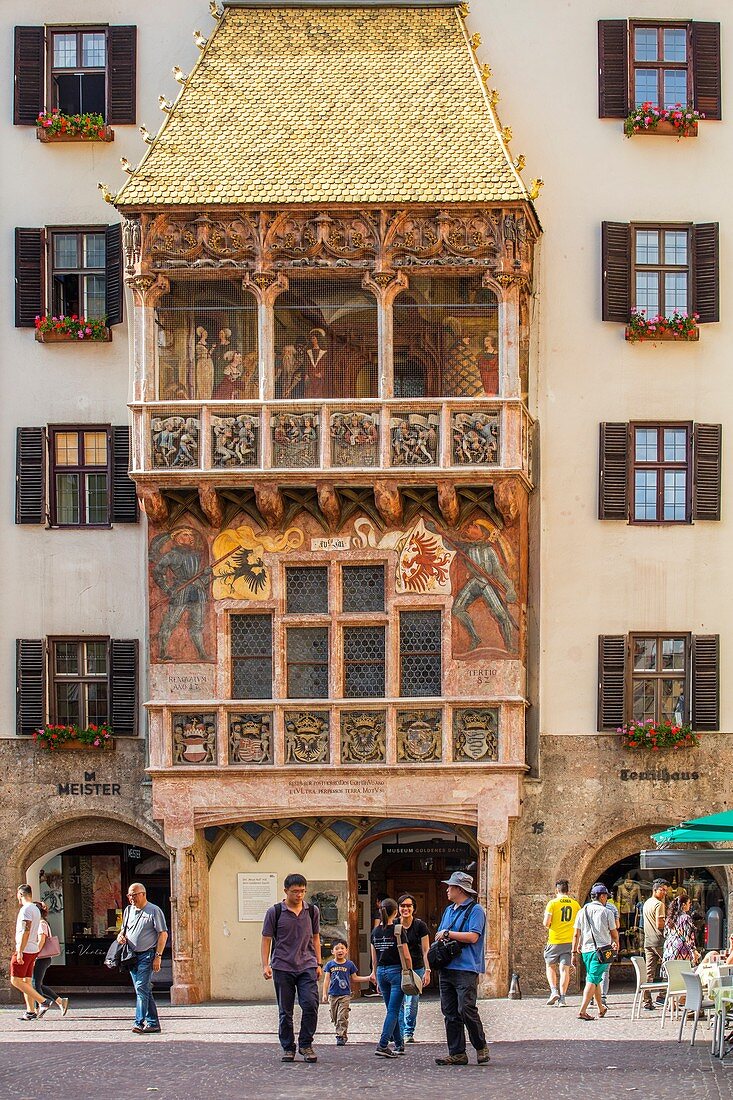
[(71, 330), (91, 738), (55, 126), (657, 735), (680, 326), (677, 121)]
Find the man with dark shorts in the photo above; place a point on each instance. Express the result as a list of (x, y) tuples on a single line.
[(291, 958), (26, 950)]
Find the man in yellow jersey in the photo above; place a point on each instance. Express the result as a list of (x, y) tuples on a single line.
[(559, 920)]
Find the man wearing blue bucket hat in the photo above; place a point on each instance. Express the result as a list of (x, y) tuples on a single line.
[(594, 934)]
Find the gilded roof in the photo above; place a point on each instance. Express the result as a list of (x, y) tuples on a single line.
[(330, 105)]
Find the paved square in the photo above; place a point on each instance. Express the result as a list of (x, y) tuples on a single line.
[(228, 1052)]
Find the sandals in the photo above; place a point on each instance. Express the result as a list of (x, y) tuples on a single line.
[(602, 1011), (585, 1016)]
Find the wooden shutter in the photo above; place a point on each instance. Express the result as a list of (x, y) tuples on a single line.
[(28, 94), (30, 475), (613, 68), (114, 289), (613, 490), (706, 69), (121, 75), (124, 495), (123, 687), (30, 686), (612, 649), (705, 272), (616, 260), (706, 462), (28, 276), (706, 682)]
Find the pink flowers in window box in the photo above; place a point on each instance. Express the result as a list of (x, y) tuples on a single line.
[(677, 121), (89, 737), (55, 126), (65, 329), (653, 735), (679, 326)]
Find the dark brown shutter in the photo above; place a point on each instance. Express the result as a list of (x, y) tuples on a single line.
[(124, 496), (30, 475), (28, 276), (114, 291), (616, 260), (28, 97), (30, 685), (706, 461), (706, 281), (613, 68), (613, 489), (123, 687), (611, 681), (121, 75), (706, 69), (706, 682)]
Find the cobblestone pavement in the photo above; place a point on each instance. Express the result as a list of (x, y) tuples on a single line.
[(218, 1052)]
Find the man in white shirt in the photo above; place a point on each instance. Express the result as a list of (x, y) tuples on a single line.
[(595, 927), (26, 950)]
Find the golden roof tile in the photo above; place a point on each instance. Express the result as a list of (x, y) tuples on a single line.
[(335, 105)]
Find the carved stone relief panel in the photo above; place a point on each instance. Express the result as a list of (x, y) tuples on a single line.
[(476, 733), (414, 439), (235, 441), (250, 738), (307, 737), (475, 437), (301, 238), (194, 738), (363, 735), (442, 237), (175, 441), (354, 439), (419, 736), (295, 439), (201, 242)]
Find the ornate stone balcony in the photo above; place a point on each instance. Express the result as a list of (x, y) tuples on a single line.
[(182, 441), (314, 735)]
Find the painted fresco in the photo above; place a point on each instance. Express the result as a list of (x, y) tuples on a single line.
[(181, 614)]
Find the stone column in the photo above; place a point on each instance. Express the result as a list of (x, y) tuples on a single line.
[(147, 291), (385, 285), (509, 333), (266, 287), (494, 817), (189, 905)]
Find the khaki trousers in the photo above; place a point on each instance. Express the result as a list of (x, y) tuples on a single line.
[(340, 1014), (653, 956)]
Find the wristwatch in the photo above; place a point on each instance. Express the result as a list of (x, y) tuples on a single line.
[(158, 955)]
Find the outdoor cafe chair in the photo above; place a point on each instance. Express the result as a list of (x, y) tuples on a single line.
[(694, 1004), (675, 986), (642, 985)]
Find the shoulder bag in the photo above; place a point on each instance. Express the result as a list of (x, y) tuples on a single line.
[(444, 952), (602, 954), (51, 947), (411, 982), (120, 955)]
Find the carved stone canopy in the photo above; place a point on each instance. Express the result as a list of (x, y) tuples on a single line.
[(378, 241)]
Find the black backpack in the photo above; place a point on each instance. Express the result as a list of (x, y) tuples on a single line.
[(444, 952)]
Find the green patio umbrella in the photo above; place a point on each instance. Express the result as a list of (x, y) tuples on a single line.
[(714, 827)]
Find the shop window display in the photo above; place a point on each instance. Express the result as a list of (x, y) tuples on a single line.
[(446, 338), (207, 343)]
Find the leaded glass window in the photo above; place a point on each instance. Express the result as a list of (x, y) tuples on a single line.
[(251, 656), (420, 653), (364, 662), (363, 588), (306, 589), (307, 662)]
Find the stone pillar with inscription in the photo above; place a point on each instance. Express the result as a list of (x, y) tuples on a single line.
[(189, 908)]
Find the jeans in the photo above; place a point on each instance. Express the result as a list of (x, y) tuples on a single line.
[(39, 973), (458, 1005), (389, 980), (412, 1003), (306, 986), (141, 972)]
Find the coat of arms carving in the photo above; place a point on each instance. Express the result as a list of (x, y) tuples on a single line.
[(307, 737), (419, 736), (363, 737), (476, 734), (250, 738)]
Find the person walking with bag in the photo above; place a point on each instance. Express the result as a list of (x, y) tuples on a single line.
[(458, 950), (145, 933), (415, 934), (387, 972), (595, 937), (49, 949)]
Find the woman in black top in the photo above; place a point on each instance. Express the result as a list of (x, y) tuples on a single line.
[(415, 934), (387, 971)]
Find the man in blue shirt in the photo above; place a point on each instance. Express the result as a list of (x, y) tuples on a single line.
[(464, 921)]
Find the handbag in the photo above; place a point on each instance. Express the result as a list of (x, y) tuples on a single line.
[(444, 952), (120, 955), (51, 947), (410, 981), (601, 954)]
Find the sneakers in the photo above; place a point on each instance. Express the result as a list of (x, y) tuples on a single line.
[(151, 1029), (27, 1016), (385, 1052), (452, 1060), (64, 1006), (340, 1040), (562, 1003), (399, 1050), (483, 1057), (139, 1029), (288, 1056), (409, 1038), (554, 998), (41, 1011), (308, 1054), (649, 1007)]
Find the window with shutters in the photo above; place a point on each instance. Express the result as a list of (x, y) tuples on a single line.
[(664, 63), (80, 471), (664, 676), (75, 70), (79, 678), (661, 461), (78, 273), (661, 270)]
